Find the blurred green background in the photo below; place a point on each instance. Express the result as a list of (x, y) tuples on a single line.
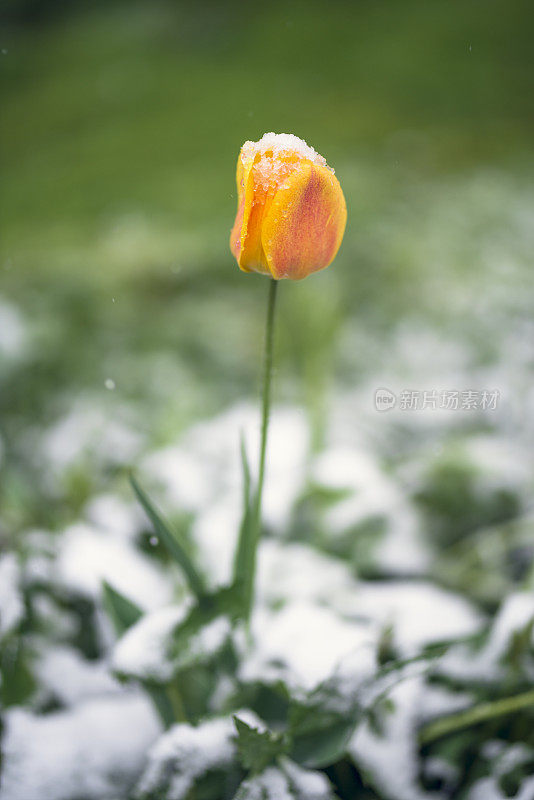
[(121, 124)]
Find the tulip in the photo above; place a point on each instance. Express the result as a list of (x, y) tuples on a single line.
[(291, 212)]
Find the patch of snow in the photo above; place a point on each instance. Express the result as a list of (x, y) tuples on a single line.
[(279, 144), (143, 650), (186, 753), (41, 546), (391, 759), (286, 782), (302, 644), (271, 784), (88, 556), (370, 495), (147, 650), (11, 605), (90, 428), (205, 467), (306, 783), (296, 572), (12, 331), (68, 676), (461, 663), (182, 475), (286, 471), (95, 750), (202, 475), (214, 533), (488, 789), (298, 576), (421, 614), (112, 514)]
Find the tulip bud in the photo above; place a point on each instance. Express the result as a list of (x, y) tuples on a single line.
[(291, 212)]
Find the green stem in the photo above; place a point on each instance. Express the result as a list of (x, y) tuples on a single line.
[(266, 407), (175, 697), (480, 713)]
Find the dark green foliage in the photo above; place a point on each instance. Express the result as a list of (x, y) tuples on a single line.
[(257, 749)]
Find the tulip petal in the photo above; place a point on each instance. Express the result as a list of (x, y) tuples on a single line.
[(239, 229), (303, 228)]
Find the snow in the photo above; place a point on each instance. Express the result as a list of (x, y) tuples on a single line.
[(11, 605), (368, 494), (488, 789), (286, 782), (70, 678), (205, 465), (302, 644), (392, 758), (309, 784), (279, 144), (113, 514), (147, 649), (88, 556), (143, 651), (421, 613), (271, 784), (94, 750), (297, 572), (12, 330), (185, 753), (461, 663), (90, 428), (202, 474), (215, 533)]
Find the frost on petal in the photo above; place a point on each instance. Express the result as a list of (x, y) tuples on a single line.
[(280, 144)]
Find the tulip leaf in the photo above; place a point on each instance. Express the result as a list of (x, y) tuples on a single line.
[(246, 541), (163, 704), (175, 545), (123, 612)]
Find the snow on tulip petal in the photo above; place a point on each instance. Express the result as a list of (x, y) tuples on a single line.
[(305, 224)]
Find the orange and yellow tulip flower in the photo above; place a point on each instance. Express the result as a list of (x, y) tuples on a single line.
[(291, 212)]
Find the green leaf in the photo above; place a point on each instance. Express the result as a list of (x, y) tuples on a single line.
[(243, 567), (122, 611), (173, 542), (318, 731), (163, 704), (257, 749), (319, 739)]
